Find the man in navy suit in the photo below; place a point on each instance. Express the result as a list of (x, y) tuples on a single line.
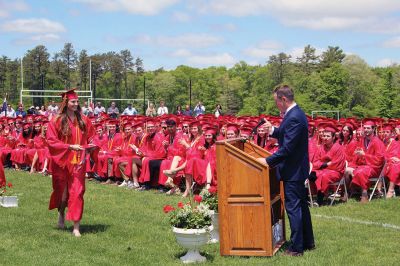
[(292, 167)]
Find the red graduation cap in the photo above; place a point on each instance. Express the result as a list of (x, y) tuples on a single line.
[(245, 131), (70, 94), (27, 125), (210, 130), (387, 126), (233, 127)]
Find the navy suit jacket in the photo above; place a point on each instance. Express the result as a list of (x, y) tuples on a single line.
[(291, 159)]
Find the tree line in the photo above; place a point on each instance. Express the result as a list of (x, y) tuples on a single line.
[(330, 81)]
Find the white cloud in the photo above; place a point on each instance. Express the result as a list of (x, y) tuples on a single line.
[(181, 17), (142, 7), (360, 15), (392, 43), (181, 53), (192, 40), (204, 59), (7, 7), (385, 62), (230, 27), (34, 25), (263, 50), (224, 59), (43, 38)]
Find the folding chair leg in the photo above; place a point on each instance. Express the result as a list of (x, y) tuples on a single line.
[(310, 194), (345, 191), (384, 187), (373, 191), (334, 195)]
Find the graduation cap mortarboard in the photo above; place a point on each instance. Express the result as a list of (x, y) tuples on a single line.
[(70, 94)]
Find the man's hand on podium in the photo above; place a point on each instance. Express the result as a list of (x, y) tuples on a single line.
[(262, 160)]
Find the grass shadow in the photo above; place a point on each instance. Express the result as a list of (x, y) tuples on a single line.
[(210, 257), (91, 228)]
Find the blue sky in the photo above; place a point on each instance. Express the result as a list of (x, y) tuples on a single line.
[(202, 33)]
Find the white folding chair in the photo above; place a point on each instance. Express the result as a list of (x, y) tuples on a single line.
[(377, 180), (308, 186), (340, 183)]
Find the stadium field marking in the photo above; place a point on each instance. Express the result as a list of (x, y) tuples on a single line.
[(365, 222)]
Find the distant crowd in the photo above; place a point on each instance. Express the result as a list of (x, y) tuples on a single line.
[(171, 151)]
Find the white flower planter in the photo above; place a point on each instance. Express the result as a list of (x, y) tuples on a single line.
[(192, 239), (9, 201), (214, 234)]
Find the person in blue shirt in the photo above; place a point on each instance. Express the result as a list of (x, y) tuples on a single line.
[(20, 111)]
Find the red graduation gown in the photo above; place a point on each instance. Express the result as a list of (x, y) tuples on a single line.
[(369, 164), (392, 169), (333, 173), (65, 172)]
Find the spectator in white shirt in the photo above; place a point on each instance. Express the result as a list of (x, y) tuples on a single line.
[(99, 109), (199, 109), (162, 110), (52, 108), (10, 112), (87, 110), (113, 111), (130, 110)]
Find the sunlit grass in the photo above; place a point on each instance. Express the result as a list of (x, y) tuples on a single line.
[(125, 227)]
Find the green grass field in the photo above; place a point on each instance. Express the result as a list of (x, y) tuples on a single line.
[(124, 227)]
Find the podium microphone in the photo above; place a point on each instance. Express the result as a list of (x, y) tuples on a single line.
[(262, 121)]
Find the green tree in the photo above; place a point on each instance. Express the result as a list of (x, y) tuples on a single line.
[(3, 73), (36, 66), (128, 64), (83, 66), (330, 56), (308, 60), (69, 58), (278, 67)]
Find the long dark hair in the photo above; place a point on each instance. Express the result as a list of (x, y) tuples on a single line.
[(27, 134), (191, 138), (65, 129), (341, 137), (208, 145)]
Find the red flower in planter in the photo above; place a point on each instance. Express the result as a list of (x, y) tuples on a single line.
[(168, 208), (9, 185), (212, 190), (198, 198), (180, 205)]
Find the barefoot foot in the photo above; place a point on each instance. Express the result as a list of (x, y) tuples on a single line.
[(76, 233)]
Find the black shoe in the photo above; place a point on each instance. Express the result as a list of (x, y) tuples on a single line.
[(143, 188), (291, 253), (311, 247), (320, 198)]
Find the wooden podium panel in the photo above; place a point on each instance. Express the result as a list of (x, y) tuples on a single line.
[(249, 207)]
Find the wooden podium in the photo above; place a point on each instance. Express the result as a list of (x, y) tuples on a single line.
[(250, 201)]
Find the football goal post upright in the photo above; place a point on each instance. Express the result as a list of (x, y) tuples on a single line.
[(49, 95)]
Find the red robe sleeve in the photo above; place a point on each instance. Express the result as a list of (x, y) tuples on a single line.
[(58, 149)]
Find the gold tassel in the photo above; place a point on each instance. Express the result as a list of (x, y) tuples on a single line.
[(74, 159)]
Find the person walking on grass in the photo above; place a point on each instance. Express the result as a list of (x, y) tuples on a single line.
[(69, 136)]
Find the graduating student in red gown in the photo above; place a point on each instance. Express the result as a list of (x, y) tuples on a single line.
[(192, 144), (203, 170), (392, 158), (328, 163), (107, 151), (368, 159), (23, 144), (176, 153), (152, 149), (69, 136)]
